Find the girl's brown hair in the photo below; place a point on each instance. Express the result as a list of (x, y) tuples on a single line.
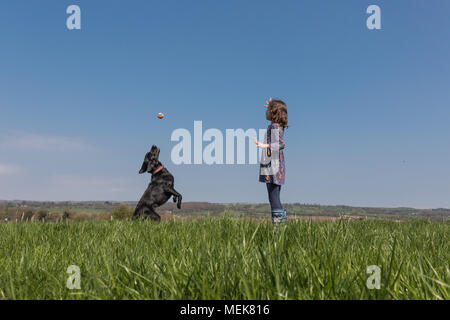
[(278, 113)]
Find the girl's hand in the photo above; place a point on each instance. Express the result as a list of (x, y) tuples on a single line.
[(259, 144), (267, 103)]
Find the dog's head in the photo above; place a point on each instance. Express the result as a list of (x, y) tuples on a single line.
[(150, 161)]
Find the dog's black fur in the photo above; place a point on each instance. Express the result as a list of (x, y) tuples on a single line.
[(158, 191)]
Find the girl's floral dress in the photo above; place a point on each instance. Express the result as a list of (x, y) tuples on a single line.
[(272, 166)]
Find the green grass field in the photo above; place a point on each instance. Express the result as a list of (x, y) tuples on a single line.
[(225, 258)]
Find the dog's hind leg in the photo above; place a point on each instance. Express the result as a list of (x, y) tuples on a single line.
[(152, 215), (137, 212)]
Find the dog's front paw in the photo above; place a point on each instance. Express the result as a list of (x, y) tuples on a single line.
[(179, 202)]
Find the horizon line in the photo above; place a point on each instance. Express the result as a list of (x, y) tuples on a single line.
[(248, 203)]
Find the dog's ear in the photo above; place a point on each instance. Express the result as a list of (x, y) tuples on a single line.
[(144, 167)]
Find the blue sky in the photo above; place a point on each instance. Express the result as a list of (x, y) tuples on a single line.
[(368, 110)]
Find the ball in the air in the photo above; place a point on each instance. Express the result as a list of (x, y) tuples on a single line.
[(160, 115)]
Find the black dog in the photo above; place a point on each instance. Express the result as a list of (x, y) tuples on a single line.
[(158, 191)]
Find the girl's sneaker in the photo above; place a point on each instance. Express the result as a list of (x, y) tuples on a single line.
[(277, 216), (284, 217)]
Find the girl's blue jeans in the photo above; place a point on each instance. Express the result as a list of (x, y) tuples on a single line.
[(274, 196), (278, 214)]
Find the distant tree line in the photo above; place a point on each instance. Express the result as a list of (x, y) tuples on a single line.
[(108, 210)]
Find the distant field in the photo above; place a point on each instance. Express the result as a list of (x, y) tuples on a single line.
[(101, 210), (225, 258), (79, 209)]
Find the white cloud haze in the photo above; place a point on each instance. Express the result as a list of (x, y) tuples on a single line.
[(8, 169), (25, 140)]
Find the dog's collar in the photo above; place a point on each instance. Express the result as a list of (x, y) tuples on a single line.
[(158, 170)]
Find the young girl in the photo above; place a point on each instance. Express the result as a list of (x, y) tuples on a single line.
[(272, 167)]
